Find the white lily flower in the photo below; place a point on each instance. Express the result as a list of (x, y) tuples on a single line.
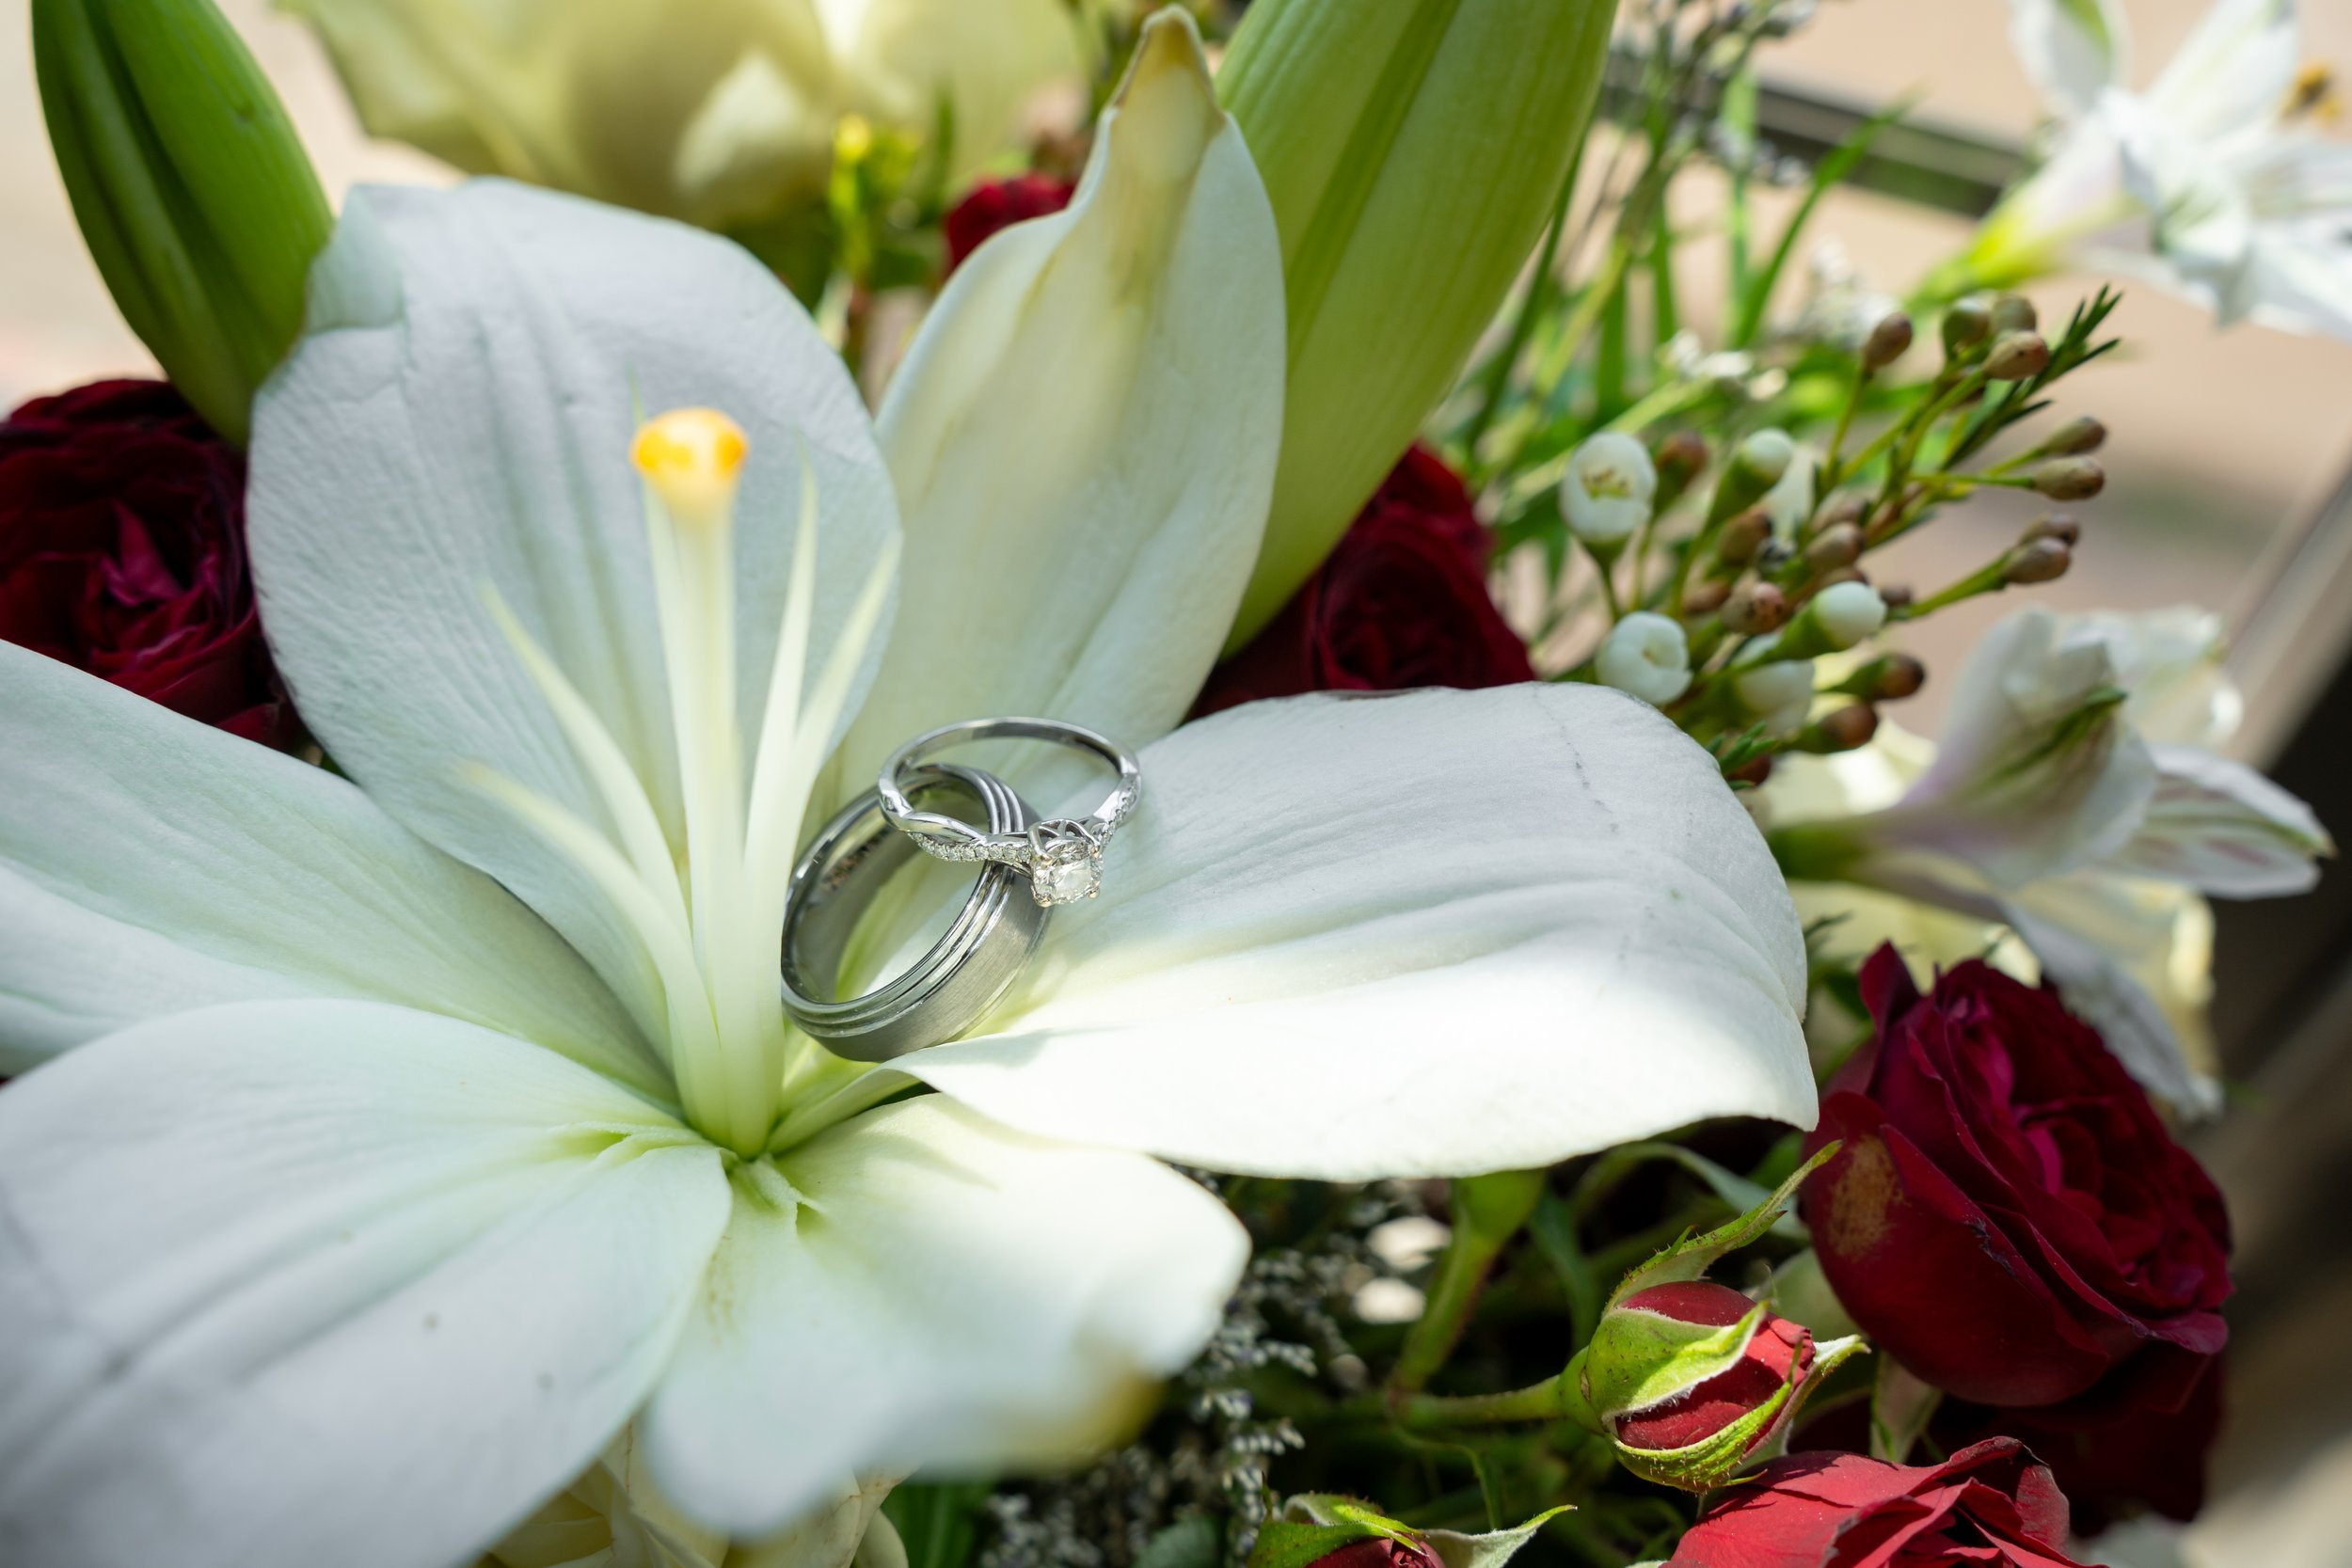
[(2210, 183), (2047, 811), (405, 1137), (719, 112)]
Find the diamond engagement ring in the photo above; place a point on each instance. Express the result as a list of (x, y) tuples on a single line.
[(944, 992), (1063, 855)]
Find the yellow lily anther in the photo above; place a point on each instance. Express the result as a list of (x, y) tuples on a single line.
[(690, 457)]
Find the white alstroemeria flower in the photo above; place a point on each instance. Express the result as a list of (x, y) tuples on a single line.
[(405, 1138), (2210, 183), (719, 112), (2047, 810)]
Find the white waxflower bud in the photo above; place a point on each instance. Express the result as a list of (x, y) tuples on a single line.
[(1780, 693), (1768, 453), (1645, 655), (1849, 611), (1606, 493)]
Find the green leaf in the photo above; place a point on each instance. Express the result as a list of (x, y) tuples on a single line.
[(936, 1520), (1194, 1543), (1490, 1550), (1829, 171), (1693, 1256)]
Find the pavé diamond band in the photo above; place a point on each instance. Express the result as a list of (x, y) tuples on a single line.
[(1063, 855)]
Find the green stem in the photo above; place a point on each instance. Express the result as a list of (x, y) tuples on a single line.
[(1547, 1400), (1489, 1211)]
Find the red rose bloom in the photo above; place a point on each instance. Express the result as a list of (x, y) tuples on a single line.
[(1989, 1506), (1402, 602), (2137, 1441), (996, 204), (122, 553), (2008, 1216)]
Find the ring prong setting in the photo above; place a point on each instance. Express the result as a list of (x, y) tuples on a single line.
[(1066, 861)]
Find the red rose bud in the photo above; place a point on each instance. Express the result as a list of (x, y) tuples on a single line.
[(2006, 1213), (1690, 1381), (1402, 602), (998, 205), (122, 553), (1989, 1506)]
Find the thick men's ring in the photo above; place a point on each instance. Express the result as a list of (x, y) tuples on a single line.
[(945, 992), (1063, 855)]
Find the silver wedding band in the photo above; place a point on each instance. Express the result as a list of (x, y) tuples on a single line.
[(1063, 855), (951, 986)]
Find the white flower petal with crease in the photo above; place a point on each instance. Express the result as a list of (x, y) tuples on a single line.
[(1084, 436), (1433, 933), (455, 419), (918, 1286), (2221, 828), (275, 1270), (150, 865)]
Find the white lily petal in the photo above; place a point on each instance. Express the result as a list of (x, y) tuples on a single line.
[(918, 1287), (457, 417), (275, 1269), (1433, 933), (2221, 828), (2072, 50), (1084, 436), (150, 865)]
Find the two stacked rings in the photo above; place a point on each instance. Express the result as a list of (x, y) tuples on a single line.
[(962, 974)]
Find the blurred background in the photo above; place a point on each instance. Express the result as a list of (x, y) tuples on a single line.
[(2232, 487)]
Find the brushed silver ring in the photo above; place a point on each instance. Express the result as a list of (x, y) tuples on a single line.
[(1063, 855), (948, 988)]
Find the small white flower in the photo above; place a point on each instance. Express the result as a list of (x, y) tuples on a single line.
[(1850, 612), (1646, 655), (1780, 693), (1606, 493), (2211, 181), (1768, 453)]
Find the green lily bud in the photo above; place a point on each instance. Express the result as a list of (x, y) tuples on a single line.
[(192, 191), (1412, 152)]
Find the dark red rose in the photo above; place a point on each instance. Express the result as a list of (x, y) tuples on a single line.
[(1988, 1505), (122, 553), (996, 204), (1402, 602), (2008, 1216), (2137, 1441)]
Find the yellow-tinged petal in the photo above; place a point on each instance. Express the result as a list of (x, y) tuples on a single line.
[(1083, 435)]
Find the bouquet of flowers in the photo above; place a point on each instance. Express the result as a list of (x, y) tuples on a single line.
[(1429, 1021)]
